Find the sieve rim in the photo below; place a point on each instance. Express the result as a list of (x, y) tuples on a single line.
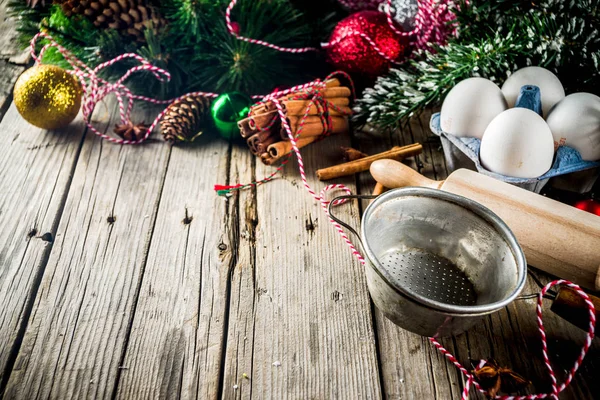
[(469, 205)]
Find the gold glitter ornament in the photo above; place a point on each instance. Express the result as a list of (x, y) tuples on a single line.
[(47, 96)]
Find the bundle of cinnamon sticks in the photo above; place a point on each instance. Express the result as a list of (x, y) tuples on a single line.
[(266, 135)]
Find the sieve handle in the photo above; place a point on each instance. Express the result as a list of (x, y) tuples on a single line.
[(339, 221)]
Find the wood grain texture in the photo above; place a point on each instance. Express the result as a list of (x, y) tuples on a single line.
[(8, 75), (12, 60), (36, 168), (10, 56), (410, 367), (238, 357), (80, 320), (511, 337), (157, 288), (177, 338), (9, 46), (305, 317)]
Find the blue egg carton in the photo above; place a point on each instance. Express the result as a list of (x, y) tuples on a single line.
[(463, 152)]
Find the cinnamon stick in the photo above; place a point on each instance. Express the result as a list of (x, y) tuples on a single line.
[(249, 125), (280, 149), (263, 145), (338, 125), (245, 130), (351, 154), (333, 82), (298, 107), (328, 92), (352, 167), (252, 142), (267, 135), (262, 120), (267, 159), (340, 91)]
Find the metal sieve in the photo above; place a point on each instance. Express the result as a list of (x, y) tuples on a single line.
[(437, 262)]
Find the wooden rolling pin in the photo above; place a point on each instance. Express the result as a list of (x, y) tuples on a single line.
[(556, 238), (570, 306)]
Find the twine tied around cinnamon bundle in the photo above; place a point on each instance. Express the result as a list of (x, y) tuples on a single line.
[(313, 96)]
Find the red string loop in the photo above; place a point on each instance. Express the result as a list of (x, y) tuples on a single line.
[(432, 26), (556, 389), (95, 89)]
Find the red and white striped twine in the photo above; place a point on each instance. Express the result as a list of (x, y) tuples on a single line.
[(432, 26), (95, 89), (360, 5), (556, 389), (233, 32)]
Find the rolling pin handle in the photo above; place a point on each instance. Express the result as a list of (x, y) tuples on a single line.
[(570, 306), (393, 174)]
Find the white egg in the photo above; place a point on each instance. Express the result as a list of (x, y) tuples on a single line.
[(551, 89), (470, 106), (575, 122), (517, 143)]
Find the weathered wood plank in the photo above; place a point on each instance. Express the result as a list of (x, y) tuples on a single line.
[(409, 367), (177, 339), (9, 46), (79, 324), (511, 337), (306, 307), (8, 75), (36, 168), (10, 56), (238, 358)]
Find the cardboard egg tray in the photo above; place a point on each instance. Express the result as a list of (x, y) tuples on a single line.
[(568, 172)]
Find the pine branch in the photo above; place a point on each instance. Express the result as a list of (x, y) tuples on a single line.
[(196, 47), (408, 90), (495, 38)]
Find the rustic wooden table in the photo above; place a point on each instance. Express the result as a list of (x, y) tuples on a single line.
[(123, 275)]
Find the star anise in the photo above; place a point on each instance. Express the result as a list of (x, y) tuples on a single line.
[(130, 131), (495, 379)]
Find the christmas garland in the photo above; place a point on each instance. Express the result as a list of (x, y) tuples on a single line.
[(494, 38), (188, 38)]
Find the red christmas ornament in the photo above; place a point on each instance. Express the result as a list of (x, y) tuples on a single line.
[(352, 53), (589, 205)]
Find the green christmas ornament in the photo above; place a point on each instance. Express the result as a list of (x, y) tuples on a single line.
[(227, 110)]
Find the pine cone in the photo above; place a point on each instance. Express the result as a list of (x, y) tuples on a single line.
[(185, 119), (129, 17)]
